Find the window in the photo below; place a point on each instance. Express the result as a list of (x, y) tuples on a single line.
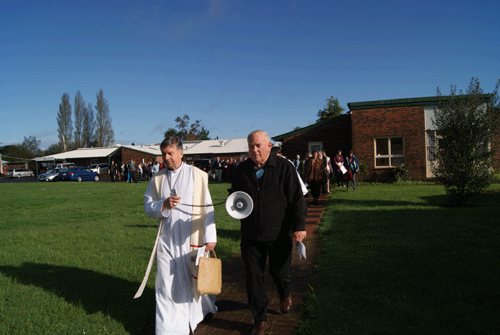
[(389, 151), (431, 144), (315, 146)]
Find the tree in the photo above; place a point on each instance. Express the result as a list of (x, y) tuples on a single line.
[(186, 131), (182, 125), (53, 149), (79, 109), (31, 146), (465, 127), (88, 127), (64, 123), (104, 134), (172, 132), (196, 133), (332, 110), (203, 134)]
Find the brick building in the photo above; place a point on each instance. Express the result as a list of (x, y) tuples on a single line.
[(382, 134), (330, 135)]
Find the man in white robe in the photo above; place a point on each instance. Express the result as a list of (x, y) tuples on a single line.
[(183, 229)]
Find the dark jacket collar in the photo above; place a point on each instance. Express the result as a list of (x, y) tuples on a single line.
[(271, 161)]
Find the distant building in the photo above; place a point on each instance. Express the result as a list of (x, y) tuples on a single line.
[(225, 149)]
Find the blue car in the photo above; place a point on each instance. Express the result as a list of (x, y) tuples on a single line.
[(79, 173)]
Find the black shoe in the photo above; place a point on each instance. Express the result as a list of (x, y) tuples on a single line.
[(286, 304), (261, 328)]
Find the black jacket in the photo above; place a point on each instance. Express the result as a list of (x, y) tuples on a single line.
[(279, 205)]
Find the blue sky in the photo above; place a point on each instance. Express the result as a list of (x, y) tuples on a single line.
[(235, 65)]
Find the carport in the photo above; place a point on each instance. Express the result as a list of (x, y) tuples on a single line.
[(81, 157)]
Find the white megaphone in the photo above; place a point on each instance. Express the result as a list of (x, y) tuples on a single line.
[(239, 205)]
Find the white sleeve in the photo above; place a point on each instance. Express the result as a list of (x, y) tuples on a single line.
[(152, 207)]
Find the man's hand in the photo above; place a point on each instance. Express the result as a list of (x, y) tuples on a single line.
[(210, 246), (170, 202), (298, 236)]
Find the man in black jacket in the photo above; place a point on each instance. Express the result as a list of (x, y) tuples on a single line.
[(278, 217)]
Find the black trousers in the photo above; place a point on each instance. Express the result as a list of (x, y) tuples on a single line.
[(254, 254), (315, 189), (340, 178)]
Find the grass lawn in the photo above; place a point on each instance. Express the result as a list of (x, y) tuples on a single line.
[(396, 260), (72, 256)]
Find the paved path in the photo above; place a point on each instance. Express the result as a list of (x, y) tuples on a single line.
[(234, 315)]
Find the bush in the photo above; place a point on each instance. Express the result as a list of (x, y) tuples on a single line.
[(465, 127), (363, 168), (400, 172)]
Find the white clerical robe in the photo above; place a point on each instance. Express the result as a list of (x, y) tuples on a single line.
[(177, 307)]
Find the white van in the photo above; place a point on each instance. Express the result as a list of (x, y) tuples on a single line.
[(63, 166), (18, 173), (101, 168)]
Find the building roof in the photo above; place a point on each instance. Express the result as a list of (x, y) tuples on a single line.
[(80, 153), (422, 101), (153, 149), (313, 126), (201, 147), (214, 147)]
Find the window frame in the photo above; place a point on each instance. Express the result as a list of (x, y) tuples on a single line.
[(313, 145), (389, 155)]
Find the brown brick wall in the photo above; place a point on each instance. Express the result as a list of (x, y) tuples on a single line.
[(137, 156), (407, 122), (334, 136)]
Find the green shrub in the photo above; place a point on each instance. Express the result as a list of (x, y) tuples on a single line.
[(400, 172)]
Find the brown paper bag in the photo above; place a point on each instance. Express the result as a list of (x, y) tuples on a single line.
[(210, 275)]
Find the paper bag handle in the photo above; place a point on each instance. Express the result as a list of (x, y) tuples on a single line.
[(208, 253)]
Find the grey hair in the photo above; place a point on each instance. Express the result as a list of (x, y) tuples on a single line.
[(262, 132), (171, 140)]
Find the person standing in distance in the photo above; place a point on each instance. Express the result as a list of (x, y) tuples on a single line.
[(277, 220), (112, 171), (179, 197)]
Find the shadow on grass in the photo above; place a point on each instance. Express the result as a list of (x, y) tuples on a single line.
[(94, 291), (224, 233), (149, 226), (228, 233), (419, 269), (380, 203), (483, 199)]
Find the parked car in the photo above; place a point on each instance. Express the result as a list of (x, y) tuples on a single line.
[(52, 175), (18, 173), (101, 168), (79, 173), (62, 166)]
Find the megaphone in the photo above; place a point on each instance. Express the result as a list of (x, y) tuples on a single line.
[(239, 205)]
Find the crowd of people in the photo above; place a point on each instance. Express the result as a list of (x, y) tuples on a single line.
[(222, 169), (219, 169), (132, 172), (318, 170)]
